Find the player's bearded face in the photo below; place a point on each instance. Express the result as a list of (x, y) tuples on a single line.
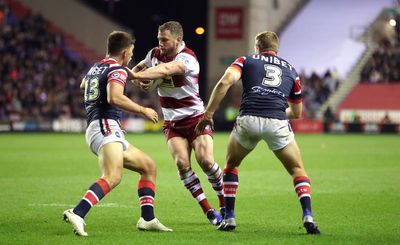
[(167, 43)]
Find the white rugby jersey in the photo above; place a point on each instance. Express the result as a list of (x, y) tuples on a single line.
[(179, 94)]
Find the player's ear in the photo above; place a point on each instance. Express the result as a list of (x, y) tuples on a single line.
[(124, 53)]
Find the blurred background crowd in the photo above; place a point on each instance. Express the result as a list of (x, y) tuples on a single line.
[(40, 75)]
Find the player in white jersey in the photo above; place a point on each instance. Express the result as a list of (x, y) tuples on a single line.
[(182, 108)]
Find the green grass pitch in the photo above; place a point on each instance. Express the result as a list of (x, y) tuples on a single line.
[(355, 185)]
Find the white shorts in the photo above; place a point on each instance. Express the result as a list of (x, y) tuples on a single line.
[(249, 130), (104, 131)]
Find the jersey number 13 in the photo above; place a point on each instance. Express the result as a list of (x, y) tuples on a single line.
[(92, 89)]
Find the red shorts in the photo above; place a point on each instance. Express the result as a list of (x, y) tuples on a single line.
[(184, 128)]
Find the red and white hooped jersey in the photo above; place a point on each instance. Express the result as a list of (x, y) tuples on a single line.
[(179, 94)]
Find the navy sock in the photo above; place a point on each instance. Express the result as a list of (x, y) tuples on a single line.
[(302, 186), (92, 196), (146, 192), (231, 183)]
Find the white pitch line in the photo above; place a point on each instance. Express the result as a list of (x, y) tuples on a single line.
[(106, 205)]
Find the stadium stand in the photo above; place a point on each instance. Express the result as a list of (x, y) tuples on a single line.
[(366, 53), (371, 102), (383, 66), (377, 94), (41, 67), (39, 73), (337, 51)]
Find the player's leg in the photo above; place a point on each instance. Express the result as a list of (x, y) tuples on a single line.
[(110, 162), (138, 161), (180, 150), (203, 149), (291, 159), (234, 156)]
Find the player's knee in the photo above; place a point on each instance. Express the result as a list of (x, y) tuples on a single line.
[(182, 162), (206, 164), (149, 167)]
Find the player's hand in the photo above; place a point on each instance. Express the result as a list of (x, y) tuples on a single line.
[(203, 123), (150, 114), (131, 74)]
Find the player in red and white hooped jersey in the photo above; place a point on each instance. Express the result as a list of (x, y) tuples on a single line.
[(104, 86), (182, 108), (179, 94)]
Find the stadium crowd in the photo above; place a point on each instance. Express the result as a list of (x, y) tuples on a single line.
[(383, 66), (40, 76), (316, 90)]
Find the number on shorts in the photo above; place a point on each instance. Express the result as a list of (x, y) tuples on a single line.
[(272, 76)]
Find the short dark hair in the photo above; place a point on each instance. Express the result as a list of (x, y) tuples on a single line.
[(118, 41), (173, 26), (267, 41)]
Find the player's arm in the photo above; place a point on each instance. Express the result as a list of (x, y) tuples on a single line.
[(294, 110), (141, 66), (295, 101), (166, 69), (116, 97), (230, 76)]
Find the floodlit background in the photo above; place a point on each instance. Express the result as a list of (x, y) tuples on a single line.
[(347, 53)]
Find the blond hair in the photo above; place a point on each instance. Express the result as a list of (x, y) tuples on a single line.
[(173, 26), (267, 41)]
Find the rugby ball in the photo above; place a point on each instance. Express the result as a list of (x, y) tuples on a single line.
[(153, 84)]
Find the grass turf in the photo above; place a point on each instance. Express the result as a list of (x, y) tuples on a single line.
[(355, 180)]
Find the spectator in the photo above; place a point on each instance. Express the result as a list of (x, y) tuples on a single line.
[(329, 116), (386, 119), (383, 66), (39, 76)]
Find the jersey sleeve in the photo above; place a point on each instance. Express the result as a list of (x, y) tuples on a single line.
[(295, 95), (190, 63), (117, 75), (238, 64)]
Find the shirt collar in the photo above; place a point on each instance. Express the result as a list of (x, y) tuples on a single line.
[(269, 52), (183, 45)]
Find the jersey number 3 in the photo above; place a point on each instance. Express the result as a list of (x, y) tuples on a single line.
[(272, 76)]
